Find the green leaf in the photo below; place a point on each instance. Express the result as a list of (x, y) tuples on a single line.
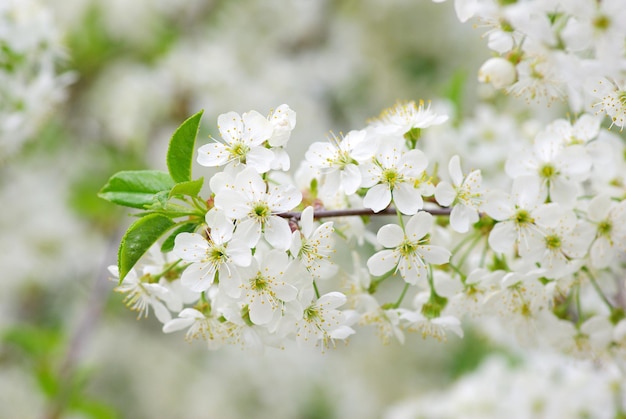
[(139, 237), (190, 188), (136, 188), (159, 200), (168, 244), (33, 340), (180, 149)]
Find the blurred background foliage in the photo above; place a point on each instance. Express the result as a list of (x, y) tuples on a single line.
[(130, 72)]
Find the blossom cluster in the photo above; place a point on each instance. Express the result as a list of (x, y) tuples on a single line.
[(30, 86), (253, 272), (382, 225), (539, 385), (554, 50)]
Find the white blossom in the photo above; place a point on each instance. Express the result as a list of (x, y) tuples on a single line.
[(407, 250)]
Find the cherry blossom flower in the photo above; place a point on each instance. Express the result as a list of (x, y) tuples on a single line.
[(407, 250), (210, 328), (515, 214), (314, 247), (609, 218), (465, 195), (219, 254), (612, 94), (338, 161), (283, 119), (243, 142), (140, 296), (396, 175), (437, 327), (564, 240), (267, 285), (559, 169), (322, 322), (400, 119), (498, 71), (254, 208)]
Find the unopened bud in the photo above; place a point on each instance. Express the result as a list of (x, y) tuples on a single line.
[(498, 71)]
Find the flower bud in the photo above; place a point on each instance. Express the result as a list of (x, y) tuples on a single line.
[(497, 71)]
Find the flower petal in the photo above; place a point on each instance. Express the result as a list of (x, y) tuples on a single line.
[(382, 262), (377, 198), (436, 255), (407, 199), (278, 232), (390, 235), (418, 226), (230, 126)]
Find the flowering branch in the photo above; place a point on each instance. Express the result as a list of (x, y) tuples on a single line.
[(553, 206), (321, 213)]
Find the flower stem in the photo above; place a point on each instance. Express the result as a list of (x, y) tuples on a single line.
[(595, 285), (317, 291), (404, 290)]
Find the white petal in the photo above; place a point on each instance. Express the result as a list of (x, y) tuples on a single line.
[(601, 253), (341, 332), (332, 300), (232, 203), (412, 269), (306, 221), (502, 237), (230, 126), (461, 217), (213, 154), (413, 163), (260, 158), (257, 128), (278, 232), (178, 324), (251, 184), (190, 247), (370, 174), (239, 252), (382, 262), (564, 191), (407, 199), (285, 292), (249, 231), (350, 179), (436, 255), (198, 276), (284, 198), (419, 225), (599, 207), (161, 312), (445, 194), (498, 206), (230, 280), (574, 162), (449, 323), (390, 235), (377, 198), (526, 191), (454, 168), (221, 227), (261, 310)]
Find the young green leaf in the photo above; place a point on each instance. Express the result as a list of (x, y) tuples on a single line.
[(136, 188), (139, 237), (168, 244), (191, 188), (180, 149)]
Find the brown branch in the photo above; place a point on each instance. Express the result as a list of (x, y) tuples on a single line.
[(322, 213)]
